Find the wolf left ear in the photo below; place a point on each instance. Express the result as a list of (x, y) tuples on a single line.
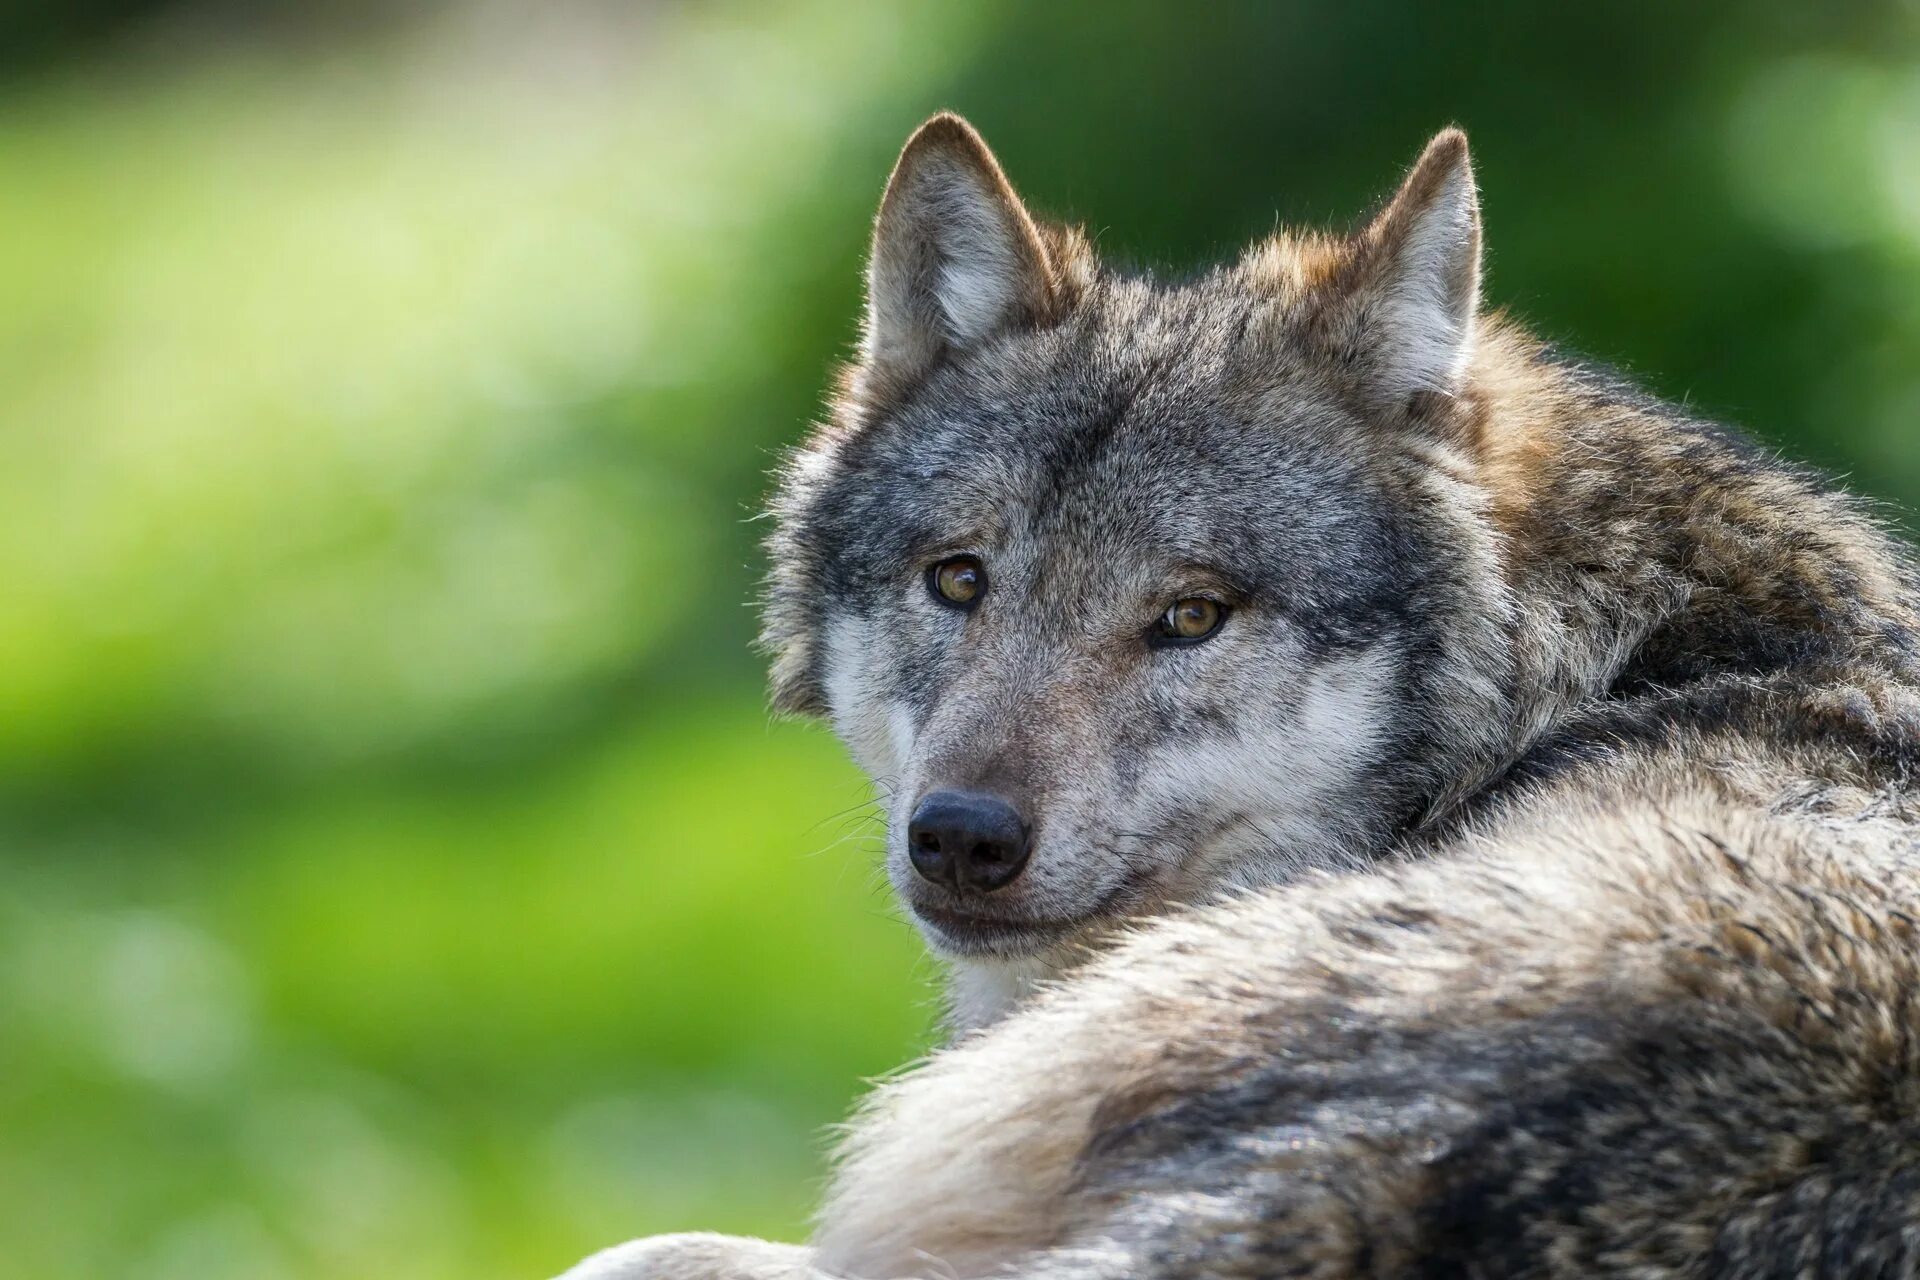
[(956, 257), (1420, 274)]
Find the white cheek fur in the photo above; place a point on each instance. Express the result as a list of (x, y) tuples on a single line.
[(876, 733), (1285, 774)]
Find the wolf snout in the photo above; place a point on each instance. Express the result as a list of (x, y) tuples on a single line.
[(967, 841)]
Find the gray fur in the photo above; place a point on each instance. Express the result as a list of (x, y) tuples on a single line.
[(1555, 765)]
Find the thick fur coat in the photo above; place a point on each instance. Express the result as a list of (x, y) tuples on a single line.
[(1524, 882)]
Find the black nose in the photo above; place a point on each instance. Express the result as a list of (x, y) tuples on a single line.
[(968, 841)]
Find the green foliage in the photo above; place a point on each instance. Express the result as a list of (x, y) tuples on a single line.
[(398, 875)]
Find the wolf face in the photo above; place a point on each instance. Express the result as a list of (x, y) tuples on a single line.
[(1128, 592)]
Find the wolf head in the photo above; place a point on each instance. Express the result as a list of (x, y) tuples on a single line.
[(1129, 592)]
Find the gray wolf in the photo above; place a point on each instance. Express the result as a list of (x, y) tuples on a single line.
[(1397, 800)]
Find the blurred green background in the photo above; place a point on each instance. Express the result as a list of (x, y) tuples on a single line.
[(398, 874)]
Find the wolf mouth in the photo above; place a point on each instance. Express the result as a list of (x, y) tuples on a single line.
[(959, 933)]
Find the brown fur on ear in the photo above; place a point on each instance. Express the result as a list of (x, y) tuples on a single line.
[(1071, 260), (1298, 264), (956, 256)]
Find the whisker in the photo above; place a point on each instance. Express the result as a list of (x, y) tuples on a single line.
[(863, 806)]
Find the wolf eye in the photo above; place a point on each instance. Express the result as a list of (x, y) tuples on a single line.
[(1189, 621), (959, 581)]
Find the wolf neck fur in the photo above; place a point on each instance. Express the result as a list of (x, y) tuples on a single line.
[(1657, 549)]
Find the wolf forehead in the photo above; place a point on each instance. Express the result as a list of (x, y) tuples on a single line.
[(1129, 449)]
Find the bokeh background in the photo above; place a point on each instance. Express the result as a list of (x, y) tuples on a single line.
[(398, 874)]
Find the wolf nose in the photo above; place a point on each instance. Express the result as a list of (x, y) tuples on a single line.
[(968, 841)]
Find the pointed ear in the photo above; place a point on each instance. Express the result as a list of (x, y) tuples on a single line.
[(1420, 279), (955, 255)]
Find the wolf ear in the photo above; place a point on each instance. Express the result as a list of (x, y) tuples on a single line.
[(1420, 282), (955, 258)]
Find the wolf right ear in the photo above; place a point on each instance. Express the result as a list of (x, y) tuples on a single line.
[(956, 257)]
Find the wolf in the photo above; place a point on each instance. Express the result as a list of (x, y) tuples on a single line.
[(1396, 800)]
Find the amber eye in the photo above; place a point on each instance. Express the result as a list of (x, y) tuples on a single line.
[(1189, 621), (959, 581)]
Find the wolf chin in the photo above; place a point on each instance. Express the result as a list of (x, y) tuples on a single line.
[(1465, 805)]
